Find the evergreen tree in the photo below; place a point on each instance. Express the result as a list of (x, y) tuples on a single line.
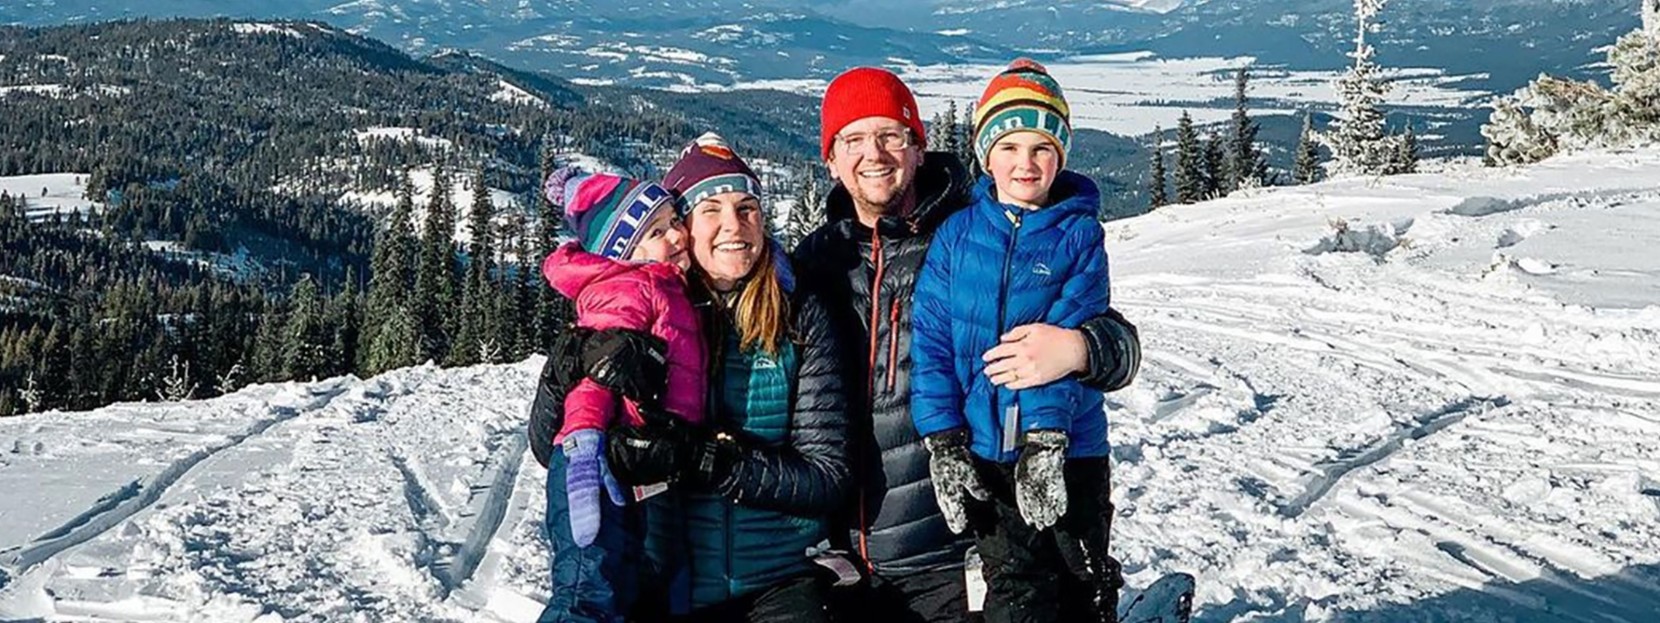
[(1406, 159), (479, 308), (965, 143), (1156, 188), (953, 142), (306, 339), (937, 130), (519, 287), (389, 283), (1247, 166), (345, 318), (808, 212), (1307, 168), (1215, 167), (552, 310), (1190, 177), (1358, 143), (435, 287)]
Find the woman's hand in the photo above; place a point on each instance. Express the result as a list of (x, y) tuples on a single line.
[(666, 450), (1036, 354)]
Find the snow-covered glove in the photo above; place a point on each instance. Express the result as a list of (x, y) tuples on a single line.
[(585, 473), (952, 471), (1039, 477)]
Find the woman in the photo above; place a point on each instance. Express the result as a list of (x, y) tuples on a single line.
[(751, 490)]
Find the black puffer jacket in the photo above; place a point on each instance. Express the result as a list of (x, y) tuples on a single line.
[(893, 521)]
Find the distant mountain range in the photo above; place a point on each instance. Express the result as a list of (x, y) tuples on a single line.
[(689, 43)]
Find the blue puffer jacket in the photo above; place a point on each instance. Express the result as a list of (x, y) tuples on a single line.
[(991, 268)]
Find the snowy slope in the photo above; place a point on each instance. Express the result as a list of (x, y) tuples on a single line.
[(64, 193), (1446, 408)]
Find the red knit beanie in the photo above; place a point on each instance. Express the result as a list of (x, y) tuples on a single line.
[(866, 92)]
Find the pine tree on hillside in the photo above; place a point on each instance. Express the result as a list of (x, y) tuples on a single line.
[(306, 340), (478, 332), (267, 359), (1155, 186), (808, 211), (345, 321), (518, 286), (435, 296), (1307, 168), (965, 143), (1358, 143), (1190, 177), (953, 142), (1247, 166), (1406, 158), (937, 129), (552, 309), (388, 331), (1215, 167)]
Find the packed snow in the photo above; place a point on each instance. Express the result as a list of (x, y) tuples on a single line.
[(1359, 402), (510, 93), (247, 28), (46, 194)]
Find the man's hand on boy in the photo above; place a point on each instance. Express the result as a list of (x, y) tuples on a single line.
[(1036, 354)]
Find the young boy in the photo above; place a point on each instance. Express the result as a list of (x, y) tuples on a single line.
[(625, 270), (1028, 250)]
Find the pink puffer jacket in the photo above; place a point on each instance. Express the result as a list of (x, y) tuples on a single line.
[(610, 294)]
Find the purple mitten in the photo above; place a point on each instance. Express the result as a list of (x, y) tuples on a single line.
[(584, 475)]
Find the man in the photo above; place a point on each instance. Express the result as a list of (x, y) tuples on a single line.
[(889, 199)]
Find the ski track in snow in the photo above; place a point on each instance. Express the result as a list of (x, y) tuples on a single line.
[(1449, 413), (375, 501), (1409, 435)]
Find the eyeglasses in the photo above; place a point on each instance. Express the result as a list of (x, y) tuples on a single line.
[(886, 140)]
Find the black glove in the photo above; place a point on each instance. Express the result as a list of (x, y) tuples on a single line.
[(631, 363), (668, 450), (565, 366)]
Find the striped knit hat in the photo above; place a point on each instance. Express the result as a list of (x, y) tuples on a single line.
[(1023, 97), (606, 213), (706, 168)]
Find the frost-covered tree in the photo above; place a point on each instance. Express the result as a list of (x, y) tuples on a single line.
[(1307, 167), (1554, 114), (1357, 142), (176, 385)]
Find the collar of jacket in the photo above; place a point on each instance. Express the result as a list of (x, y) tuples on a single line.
[(941, 189), (1072, 195)]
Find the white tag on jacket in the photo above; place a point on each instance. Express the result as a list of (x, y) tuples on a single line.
[(1011, 427), (645, 492), (975, 580)]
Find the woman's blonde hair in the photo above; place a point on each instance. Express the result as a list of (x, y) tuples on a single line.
[(762, 308)]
